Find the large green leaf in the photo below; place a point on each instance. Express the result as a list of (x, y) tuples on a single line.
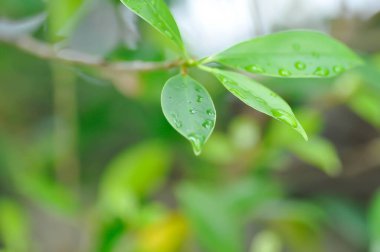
[(189, 109), (259, 97), (158, 15), (290, 54)]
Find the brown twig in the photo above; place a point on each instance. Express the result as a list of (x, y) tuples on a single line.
[(46, 51)]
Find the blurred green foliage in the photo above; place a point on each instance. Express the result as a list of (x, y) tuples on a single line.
[(132, 183)]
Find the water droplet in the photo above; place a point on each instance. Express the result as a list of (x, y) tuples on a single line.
[(296, 47), (208, 124), (320, 71), (176, 121), (237, 92), (196, 142), (261, 100), (300, 65), (199, 98), (210, 112), (193, 111), (338, 69), (198, 89), (284, 72), (285, 117), (254, 69)]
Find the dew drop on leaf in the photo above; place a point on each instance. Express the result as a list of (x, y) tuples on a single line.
[(285, 117), (199, 99), (208, 124), (300, 65), (193, 111), (254, 69), (284, 72), (338, 69), (320, 71), (210, 112)]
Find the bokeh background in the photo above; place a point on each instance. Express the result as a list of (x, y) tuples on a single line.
[(89, 163)]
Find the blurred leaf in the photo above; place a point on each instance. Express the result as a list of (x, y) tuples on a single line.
[(259, 97), (318, 152), (13, 226), (374, 223), (131, 175), (12, 29), (246, 196), (245, 132), (366, 103), (290, 54), (218, 150), (110, 234), (215, 227), (166, 235), (158, 15), (98, 22), (347, 219), (266, 241), (189, 109), (63, 15)]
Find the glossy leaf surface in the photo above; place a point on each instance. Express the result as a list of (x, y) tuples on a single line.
[(158, 15), (189, 109), (259, 97), (290, 54)]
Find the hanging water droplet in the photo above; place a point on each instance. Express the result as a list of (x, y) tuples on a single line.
[(321, 71), (284, 72), (338, 69), (254, 69), (193, 111), (285, 117), (300, 65), (196, 142), (210, 112), (208, 124)]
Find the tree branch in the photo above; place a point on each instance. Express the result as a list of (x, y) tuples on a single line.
[(46, 51)]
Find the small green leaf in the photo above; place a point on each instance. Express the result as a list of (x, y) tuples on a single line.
[(189, 109), (259, 97), (293, 54), (158, 15)]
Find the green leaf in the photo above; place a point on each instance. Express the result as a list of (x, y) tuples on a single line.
[(189, 109), (290, 54), (158, 15), (259, 97)]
